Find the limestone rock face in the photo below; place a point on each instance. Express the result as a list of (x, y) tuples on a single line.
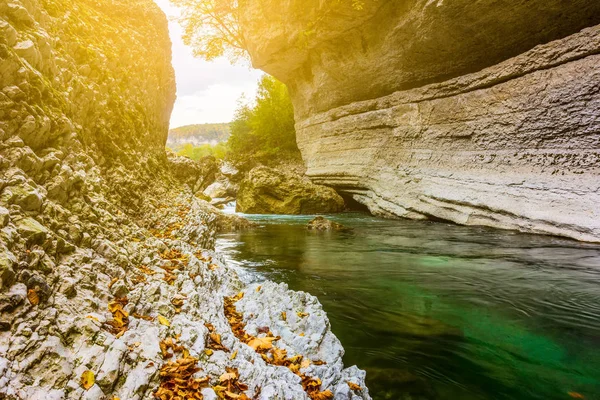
[(480, 113), (269, 191)]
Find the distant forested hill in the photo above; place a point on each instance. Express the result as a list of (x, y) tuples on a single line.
[(198, 135)]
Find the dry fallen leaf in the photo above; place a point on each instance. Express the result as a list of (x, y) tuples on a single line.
[(163, 321), (208, 352), (353, 386), (305, 363), (216, 338), (259, 344), (87, 380), (33, 297), (301, 314), (228, 376), (233, 355), (258, 288), (112, 282), (284, 316)]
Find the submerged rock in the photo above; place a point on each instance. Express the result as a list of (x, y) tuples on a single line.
[(320, 223), (270, 191)]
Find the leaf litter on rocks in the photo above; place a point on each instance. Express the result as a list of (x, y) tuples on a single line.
[(271, 354)]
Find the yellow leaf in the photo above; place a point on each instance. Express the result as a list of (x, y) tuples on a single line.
[(163, 321), (112, 282), (93, 318), (87, 379), (233, 355), (261, 343), (283, 316), (228, 376), (33, 297), (353, 386), (208, 352), (305, 363), (258, 288), (301, 314)]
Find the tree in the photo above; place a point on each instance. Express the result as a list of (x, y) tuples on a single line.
[(212, 27), (264, 132)]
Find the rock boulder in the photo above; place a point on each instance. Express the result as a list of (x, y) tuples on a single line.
[(269, 191), (320, 223)]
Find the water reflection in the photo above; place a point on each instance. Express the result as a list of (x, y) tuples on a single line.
[(437, 311)]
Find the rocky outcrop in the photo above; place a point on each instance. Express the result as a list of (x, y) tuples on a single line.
[(320, 223), (106, 273), (198, 175), (477, 113), (270, 191)]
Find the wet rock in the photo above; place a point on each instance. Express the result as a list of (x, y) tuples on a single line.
[(320, 223), (269, 191), (221, 201)]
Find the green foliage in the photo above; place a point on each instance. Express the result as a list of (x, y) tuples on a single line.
[(264, 133), (197, 152)]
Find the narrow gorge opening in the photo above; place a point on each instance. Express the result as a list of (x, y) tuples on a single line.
[(218, 269)]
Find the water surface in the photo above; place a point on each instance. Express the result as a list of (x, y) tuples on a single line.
[(438, 311)]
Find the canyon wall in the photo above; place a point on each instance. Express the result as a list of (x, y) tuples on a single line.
[(479, 113), (109, 287)]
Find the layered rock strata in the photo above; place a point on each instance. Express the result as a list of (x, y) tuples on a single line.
[(104, 242), (465, 112)]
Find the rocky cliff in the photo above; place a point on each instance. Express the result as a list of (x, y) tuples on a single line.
[(480, 113), (108, 285)]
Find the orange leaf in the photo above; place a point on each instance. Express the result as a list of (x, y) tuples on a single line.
[(262, 343), (33, 297)]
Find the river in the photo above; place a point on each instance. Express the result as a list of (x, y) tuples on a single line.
[(438, 311)]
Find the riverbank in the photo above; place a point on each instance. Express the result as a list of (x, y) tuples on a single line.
[(436, 311), (109, 303)]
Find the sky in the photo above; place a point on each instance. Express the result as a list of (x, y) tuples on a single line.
[(207, 92)]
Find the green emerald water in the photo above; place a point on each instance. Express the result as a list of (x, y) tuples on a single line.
[(438, 311)]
